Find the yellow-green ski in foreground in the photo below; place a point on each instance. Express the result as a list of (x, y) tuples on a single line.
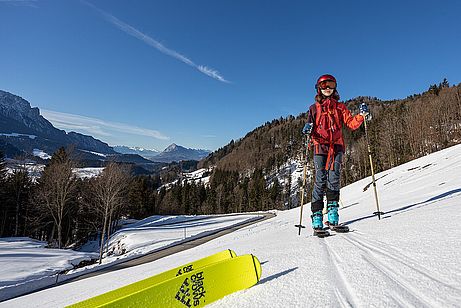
[(192, 285), (112, 296)]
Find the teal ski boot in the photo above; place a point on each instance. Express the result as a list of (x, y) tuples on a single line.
[(317, 220), (317, 224), (333, 216)]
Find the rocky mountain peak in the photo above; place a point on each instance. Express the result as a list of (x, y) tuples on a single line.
[(172, 147)]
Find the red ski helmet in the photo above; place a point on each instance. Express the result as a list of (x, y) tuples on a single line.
[(324, 78)]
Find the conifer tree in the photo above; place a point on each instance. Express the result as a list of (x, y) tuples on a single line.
[(19, 186), (3, 169)]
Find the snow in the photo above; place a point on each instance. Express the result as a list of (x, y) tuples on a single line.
[(35, 170), (26, 264), (157, 232), (41, 154), (33, 266), (18, 135), (410, 258), (94, 153), (200, 176), (88, 172)]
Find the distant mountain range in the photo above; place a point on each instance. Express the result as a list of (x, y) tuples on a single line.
[(172, 153), (146, 153), (23, 131)]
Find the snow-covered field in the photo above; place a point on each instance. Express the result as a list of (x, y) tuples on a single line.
[(35, 170), (26, 264), (409, 258)]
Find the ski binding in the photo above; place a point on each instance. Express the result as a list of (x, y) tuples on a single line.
[(321, 233), (337, 228)]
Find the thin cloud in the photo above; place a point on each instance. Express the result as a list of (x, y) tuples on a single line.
[(128, 29), (29, 3), (95, 126)]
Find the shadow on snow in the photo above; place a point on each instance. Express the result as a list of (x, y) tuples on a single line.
[(438, 197)]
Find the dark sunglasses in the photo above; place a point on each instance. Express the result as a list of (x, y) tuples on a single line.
[(327, 84)]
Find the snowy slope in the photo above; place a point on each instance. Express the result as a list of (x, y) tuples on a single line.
[(26, 264), (410, 258)]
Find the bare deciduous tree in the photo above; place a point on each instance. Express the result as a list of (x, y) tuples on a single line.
[(109, 194), (57, 187)]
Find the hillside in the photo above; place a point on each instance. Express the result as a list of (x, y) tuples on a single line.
[(400, 130), (409, 258)]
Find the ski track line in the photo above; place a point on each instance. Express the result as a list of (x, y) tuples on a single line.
[(342, 289), (401, 302), (397, 256), (401, 285), (391, 273)]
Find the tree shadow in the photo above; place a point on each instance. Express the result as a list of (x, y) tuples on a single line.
[(275, 276), (435, 198)]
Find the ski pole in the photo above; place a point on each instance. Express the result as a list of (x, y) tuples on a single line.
[(378, 212), (308, 140)]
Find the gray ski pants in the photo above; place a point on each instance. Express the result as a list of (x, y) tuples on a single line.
[(326, 181)]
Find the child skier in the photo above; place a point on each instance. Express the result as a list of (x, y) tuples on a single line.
[(324, 125)]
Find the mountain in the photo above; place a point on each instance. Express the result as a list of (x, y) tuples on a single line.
[(22, 127), (24, 132), (173, 153), (146, 153), (177, 153)]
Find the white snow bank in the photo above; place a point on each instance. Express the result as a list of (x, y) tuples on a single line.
[(25, 264), (156, 232)]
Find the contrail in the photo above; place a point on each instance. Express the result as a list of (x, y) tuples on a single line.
[(154, 43)]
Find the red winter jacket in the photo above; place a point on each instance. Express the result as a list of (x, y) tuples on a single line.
[(328, 119)]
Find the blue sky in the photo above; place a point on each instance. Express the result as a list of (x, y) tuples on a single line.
[(200, 73)]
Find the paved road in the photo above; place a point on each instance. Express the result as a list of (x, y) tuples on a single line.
[(194, 242)]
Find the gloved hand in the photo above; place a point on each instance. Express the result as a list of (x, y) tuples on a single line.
[(363, 108), (307, 129)]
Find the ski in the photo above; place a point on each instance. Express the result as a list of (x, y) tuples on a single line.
[(197, 287), (113, 298), (321, 233), (337, 228)]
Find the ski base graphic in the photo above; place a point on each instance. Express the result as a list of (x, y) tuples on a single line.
[(192, 285)]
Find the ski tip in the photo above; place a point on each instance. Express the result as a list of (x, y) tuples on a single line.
[(258, 268)]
